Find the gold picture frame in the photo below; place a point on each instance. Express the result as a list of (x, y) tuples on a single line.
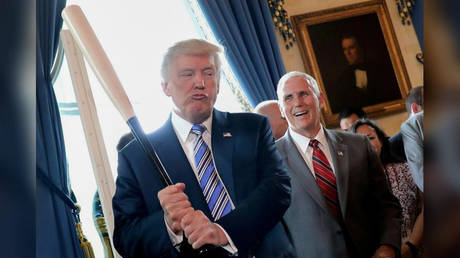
[(321, 39)]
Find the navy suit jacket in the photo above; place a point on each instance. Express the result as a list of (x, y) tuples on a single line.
[(250, 167)]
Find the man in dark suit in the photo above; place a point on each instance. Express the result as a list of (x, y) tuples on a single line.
[(341, 204), (231, 188)]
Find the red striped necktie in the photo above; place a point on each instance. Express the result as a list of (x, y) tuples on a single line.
[(325, 179)]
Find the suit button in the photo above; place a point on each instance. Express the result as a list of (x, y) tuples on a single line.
[(339, 232)]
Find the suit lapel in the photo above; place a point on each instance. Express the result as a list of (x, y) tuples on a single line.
[(339, 155), (222, 150), (177, 165), (302, 173)]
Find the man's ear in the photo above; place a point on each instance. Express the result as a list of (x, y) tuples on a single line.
[(281, 111), (415, 108), (166, 89), (321, 100)]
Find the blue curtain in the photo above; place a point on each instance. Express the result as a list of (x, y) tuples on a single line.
[(55, 224), (245, 29)]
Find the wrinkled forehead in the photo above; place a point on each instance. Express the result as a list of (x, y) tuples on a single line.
[(191, 59), (296, 84)]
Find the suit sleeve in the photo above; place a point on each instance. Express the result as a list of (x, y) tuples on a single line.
[(387, 205), (267, 202), (413, 147), (138, 232)]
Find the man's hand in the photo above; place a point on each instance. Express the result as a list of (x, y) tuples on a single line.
[(384, 251), (199, 230), (175, 205)]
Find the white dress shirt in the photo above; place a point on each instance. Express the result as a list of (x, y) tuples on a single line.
[(361, 78), (307, 152), (182, 128)]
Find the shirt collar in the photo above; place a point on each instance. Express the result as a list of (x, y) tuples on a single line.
[(302, 141), (183, 126)]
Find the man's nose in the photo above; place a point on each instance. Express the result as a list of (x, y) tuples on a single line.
[(298, 100), (199, 81)]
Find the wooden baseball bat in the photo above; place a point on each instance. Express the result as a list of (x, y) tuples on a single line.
[(102, 67)]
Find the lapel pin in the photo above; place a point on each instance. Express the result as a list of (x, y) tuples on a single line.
[(227, 134), (340, 153)]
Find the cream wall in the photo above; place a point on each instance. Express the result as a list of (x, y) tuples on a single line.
[(405, 35)]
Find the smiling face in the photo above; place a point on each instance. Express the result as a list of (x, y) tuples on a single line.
[(193, 86), (301, 106)]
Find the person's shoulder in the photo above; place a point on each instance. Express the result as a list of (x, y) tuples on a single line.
[(124, 140), (244, 117), (282, 143), (345, 136), (412, 122), (128, 143)]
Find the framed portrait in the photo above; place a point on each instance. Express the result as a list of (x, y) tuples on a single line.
[(354, 55)]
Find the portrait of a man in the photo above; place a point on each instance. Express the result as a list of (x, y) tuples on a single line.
[(362, 82), (354, 55)]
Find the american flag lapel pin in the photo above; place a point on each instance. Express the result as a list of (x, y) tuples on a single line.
[(340, 153), (227, 134)]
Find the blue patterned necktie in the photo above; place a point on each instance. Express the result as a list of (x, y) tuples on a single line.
[(213, 190)]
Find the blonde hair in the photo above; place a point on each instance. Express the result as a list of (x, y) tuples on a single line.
[(190, 47)]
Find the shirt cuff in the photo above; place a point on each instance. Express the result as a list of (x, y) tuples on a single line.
[(176, 239), (230, 247)]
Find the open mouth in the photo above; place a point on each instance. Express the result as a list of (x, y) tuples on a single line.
[(300, 113)]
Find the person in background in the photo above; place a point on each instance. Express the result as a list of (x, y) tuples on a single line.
[(402, 186), (348, 116), (341, 203), (412, 134), (414, 105), (270, 109)]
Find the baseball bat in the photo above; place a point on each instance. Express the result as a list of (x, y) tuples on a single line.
[(95, 55)]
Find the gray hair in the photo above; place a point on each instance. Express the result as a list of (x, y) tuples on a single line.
[(308, 78), (190, 47)]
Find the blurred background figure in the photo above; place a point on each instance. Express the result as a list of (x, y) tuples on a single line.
[(414, 101), (414, 105), (402, 186), (349, 115), (271, 110), (412, 134)]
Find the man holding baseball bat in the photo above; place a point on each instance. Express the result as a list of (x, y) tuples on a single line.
[(231, 188)]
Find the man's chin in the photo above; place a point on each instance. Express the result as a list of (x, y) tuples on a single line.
[(198, 116)]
